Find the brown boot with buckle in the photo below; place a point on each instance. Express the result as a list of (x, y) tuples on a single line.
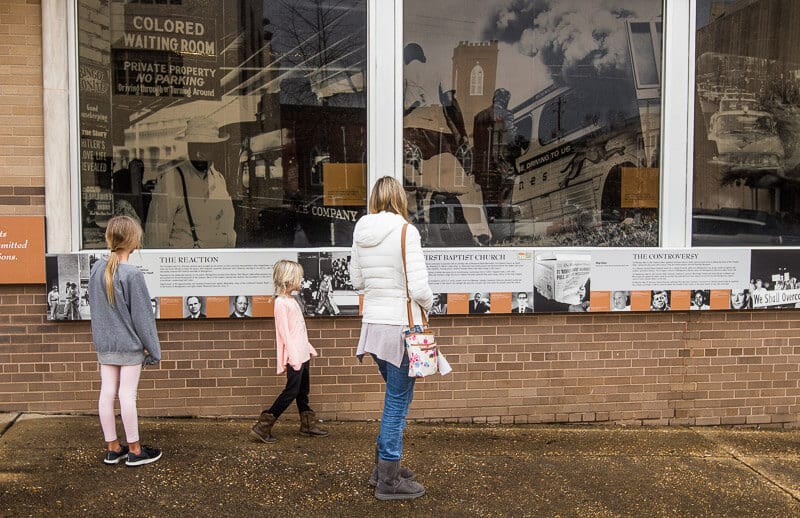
[(263, 428), (308, 425)]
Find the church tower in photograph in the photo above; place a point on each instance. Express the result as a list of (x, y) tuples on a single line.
[(474, 77)]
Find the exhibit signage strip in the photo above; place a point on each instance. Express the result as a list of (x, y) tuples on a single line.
[(238, 283)]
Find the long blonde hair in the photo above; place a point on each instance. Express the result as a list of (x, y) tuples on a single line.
[(123, 234), (286, 274), (387, 194)]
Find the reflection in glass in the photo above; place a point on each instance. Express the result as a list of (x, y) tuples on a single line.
[(532, 122), (223, 123), (747, 109)]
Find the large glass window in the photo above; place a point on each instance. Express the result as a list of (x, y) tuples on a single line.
[(558, 146), (747, 124), (223, 123)]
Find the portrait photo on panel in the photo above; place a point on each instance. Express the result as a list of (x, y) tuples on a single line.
[(480, 302), (741, 299), (240, 306), (660, 300), (194, 306), (620, 300), (700, 300), (522, 302), (439, 306), (156, 306)]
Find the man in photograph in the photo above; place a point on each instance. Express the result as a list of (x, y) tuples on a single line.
[(619, 301), (522, 303), (52, 301), (740, 299), (439, 306), (478, 304), (194, 306), (190, 205), (659, 301), (240, 307)]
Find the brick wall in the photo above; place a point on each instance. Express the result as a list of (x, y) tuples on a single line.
[(21, 126), (666, 368)]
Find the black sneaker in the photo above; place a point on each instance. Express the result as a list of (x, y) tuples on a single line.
[(113, 457), (146, 456)]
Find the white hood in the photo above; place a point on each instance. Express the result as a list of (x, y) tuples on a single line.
[(372, 229)]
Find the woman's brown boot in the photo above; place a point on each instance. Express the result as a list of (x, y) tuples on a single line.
[(263, 428), (308, 425)]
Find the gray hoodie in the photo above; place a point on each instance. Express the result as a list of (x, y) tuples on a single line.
[(124, 331)]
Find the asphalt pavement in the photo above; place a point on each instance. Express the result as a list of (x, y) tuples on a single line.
[(52, 466)]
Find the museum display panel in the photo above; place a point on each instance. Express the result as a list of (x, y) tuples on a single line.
[(223, 123), (533, 123), (746, 124)]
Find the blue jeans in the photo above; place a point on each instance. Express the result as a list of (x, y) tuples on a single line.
[(399, 393)]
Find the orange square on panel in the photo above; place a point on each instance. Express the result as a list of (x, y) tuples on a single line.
[(457, 303), (171, 307), (640, 301), (600, 301), (680, 300), (263, 306), (501, 302), (217, 307), (720, 299)]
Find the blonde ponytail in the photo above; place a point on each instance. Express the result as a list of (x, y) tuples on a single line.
[(123, 233)]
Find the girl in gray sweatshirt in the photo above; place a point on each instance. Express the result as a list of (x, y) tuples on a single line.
[(125, 338)]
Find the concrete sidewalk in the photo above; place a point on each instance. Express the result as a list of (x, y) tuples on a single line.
[(52, 466)]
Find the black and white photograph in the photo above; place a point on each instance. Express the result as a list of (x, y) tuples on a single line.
[(774, 278), (480, 302), (620, 300), (701, 300), (439, 306), (241, 306), (326, 289), (746, 125), (68, 281), (522, 302), (194, 307), (155, 303), (741, 299), (522, 120), (562, 282), (660, 300)]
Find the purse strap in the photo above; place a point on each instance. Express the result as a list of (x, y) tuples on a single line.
[(405, 275)]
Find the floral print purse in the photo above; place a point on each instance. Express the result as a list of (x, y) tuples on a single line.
[(420, 342)]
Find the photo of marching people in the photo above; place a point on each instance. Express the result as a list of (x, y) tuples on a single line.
[(523, 125), (774, 279), (326, 289), (68, 278)]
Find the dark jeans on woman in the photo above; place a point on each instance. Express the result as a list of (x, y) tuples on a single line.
[(399, 393), (297, 388)]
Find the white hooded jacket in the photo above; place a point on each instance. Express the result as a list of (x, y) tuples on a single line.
[(376, 267)]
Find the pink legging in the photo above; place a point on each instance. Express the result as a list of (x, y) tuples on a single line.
[(125, 380)]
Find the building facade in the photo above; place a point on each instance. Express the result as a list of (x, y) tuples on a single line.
[(305, 129)]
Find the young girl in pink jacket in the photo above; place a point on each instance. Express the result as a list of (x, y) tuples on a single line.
[(294, 351)]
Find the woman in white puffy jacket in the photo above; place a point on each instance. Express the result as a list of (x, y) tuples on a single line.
[(376, 267)]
